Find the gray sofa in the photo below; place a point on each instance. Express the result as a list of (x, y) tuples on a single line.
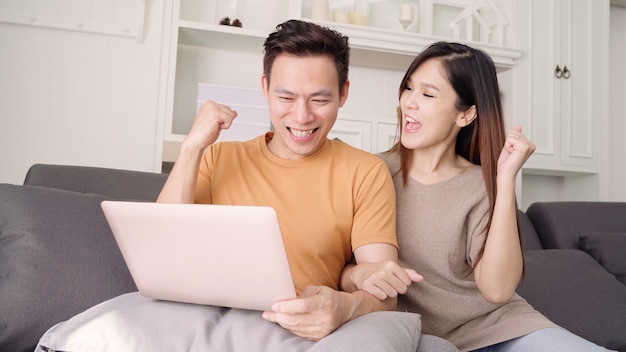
[(58, 258), (57, 255), (576, 267)]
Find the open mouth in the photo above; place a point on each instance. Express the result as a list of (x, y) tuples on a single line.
[(301, 133), (411, 123)]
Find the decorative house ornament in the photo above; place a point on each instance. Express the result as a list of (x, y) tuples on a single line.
[(490, 20)]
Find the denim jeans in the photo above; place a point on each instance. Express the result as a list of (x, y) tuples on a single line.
[(545, 340)]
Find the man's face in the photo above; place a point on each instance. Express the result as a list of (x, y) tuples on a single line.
[(304, 99)]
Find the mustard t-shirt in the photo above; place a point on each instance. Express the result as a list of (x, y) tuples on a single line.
[(328, 203)]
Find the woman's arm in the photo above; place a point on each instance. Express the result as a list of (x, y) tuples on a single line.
[(500, 268)]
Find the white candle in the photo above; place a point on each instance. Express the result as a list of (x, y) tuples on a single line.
[(319, 10), (406, 12), (340, 17), (357, 18)]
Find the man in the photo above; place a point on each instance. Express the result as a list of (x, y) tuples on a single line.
[(333, 201)]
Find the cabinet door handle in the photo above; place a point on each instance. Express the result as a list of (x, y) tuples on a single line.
[(557, 72), (566, 72)]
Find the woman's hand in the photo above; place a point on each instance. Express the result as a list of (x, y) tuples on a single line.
[(517, 149), (383, 279)]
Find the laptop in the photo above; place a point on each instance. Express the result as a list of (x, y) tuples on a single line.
[(220, 255)]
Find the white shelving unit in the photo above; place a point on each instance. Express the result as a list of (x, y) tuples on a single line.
[(202, 51)]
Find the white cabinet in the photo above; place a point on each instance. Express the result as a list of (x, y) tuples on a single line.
[(199, 50), (565, 96), (567, 83)]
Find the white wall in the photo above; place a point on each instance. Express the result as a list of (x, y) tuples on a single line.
[(70, 97), (617, 106)]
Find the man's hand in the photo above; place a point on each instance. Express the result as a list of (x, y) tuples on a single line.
[(383, 279), (318, 311), (211, 119), (180, 186)]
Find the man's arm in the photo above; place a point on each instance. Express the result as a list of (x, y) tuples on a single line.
[(180, 186), (377, 271)]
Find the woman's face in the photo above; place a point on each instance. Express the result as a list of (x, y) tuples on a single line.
[(429, 113)]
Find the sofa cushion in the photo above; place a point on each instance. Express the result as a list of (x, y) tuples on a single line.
[(609, 249), (57, 258), (131, 322), (574, 291)]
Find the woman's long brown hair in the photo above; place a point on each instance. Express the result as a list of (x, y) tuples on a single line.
[(472, 74)]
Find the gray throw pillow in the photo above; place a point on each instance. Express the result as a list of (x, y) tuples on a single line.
[(608, 249), (132, 322), (57, 258)]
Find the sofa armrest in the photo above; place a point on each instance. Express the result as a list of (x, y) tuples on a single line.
[(112, 183), (561, 224)]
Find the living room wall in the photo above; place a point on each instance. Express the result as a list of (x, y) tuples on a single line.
[(617, 106), (70, 96)]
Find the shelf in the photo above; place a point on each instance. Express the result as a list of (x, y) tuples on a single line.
[(371, 47), (380, 43), (218, 36)]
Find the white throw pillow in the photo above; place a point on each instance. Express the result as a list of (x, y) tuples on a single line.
[(131, 322)]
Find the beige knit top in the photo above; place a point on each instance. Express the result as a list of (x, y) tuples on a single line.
[(440, 231)]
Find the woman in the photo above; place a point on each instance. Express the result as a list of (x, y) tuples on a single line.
[(454, 171)]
